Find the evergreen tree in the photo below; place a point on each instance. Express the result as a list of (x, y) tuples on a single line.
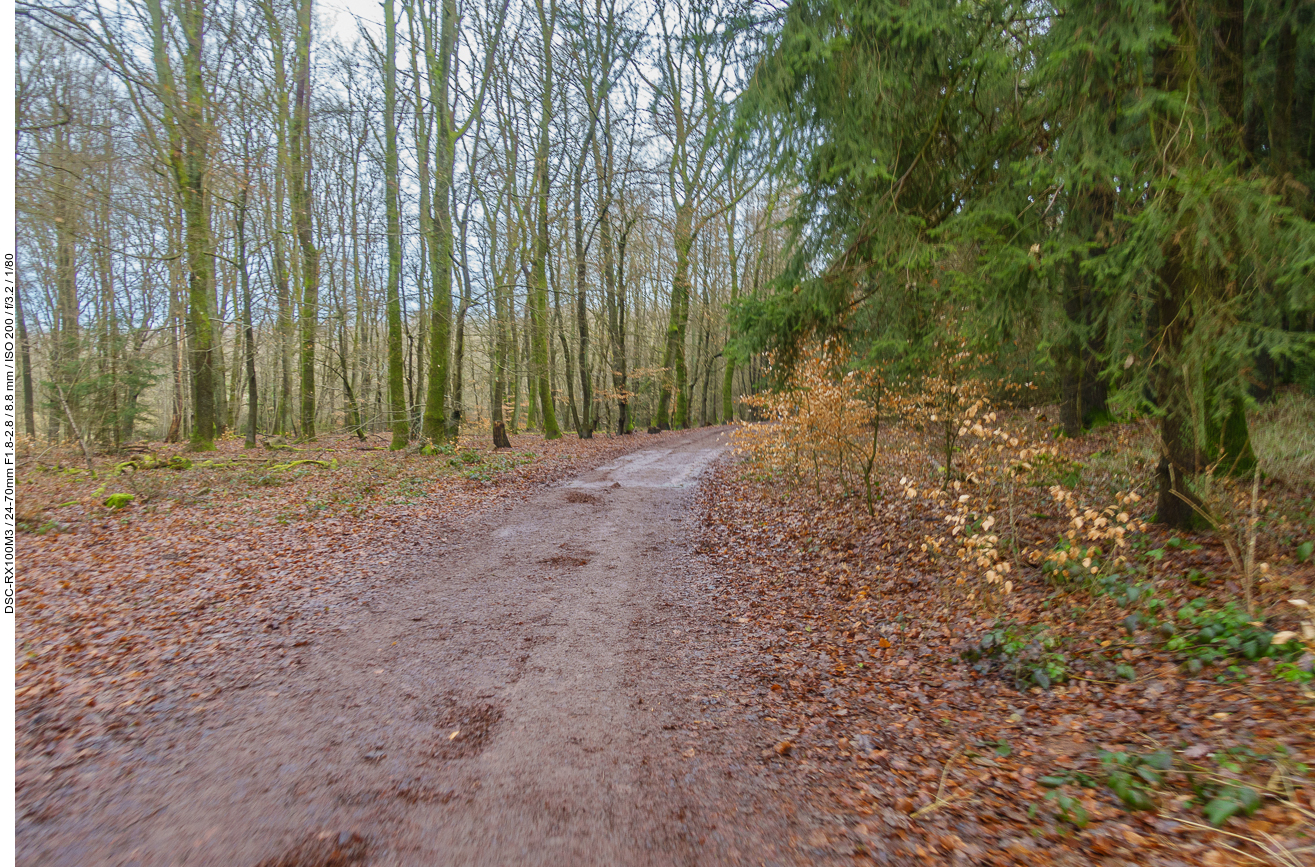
[(1083, 170)]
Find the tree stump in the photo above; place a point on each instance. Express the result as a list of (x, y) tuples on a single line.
[(500, 439)]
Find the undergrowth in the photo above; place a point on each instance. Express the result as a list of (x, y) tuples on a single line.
[(1047, 541)]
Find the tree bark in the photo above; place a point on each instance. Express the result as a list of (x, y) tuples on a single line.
[(539, 286), (300, 159), (459, 344), (25, 358), (399, 419), (585, 427), (186, 120), (248, 326), (674, 372), (440, 243)]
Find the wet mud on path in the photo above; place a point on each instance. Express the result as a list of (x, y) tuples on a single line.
[(551, 685)]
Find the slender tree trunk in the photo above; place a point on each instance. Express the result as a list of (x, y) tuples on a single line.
[(585, 427), (25, 358), (248, 324), (619, 343), (300, 159), (440, 245), (219, 304), (283, 321), (459, 344), (501, 351), (566, 348), (728, 360), (283, 328), (613, 277), (424, 287), (539, 286), (616, 335), (399, 419), (705, 351), (177, 335), (531, 371), (65, 347), (499, 327), (514, 373)]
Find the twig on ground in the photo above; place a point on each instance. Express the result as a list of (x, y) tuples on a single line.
[(938, 802)]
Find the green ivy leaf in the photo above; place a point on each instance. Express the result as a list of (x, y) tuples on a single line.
[(1220, 810), (1249, 799)]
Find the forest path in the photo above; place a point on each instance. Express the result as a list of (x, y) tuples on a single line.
[(553, 686)]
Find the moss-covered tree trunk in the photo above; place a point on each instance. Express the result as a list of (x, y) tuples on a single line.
[(502, 343), (613, 254), (423, 143), (585, 427), (459, 341), (539, 284), (399, 420), (25, 359), (728, 376), (300, 164), (674, 372), (188, 132), (284, 325), (440, 53), (248, 323)]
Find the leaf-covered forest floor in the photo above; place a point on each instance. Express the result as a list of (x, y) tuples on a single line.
[(924, 713), (1135, 717), (122, 607)]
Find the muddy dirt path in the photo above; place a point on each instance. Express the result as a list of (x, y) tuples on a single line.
[(555, 686)]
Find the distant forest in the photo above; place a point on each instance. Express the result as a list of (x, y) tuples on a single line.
[(598, 216)]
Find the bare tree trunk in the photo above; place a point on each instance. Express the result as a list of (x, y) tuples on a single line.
[(539, 284), (585, 426), (284, 329), (248, 325), (459, 344), (300, 159), (416, 383), (64, 348), (618, 316), (25, 358), (440, 56), (674, 371), (559, 325), (397, 408)]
